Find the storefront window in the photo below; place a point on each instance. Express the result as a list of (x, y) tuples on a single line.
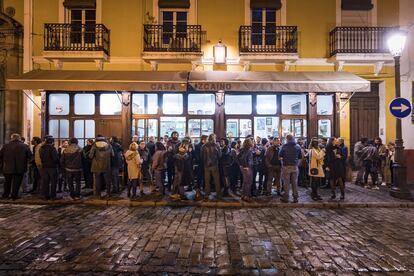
[(58, 104), (172, 104), (110, 104), (238, 128), (84, 104), (266, 126), (144, 103), (266, 104), (170, 124), (324, 128), (238, 104), (294, 104), (198, 127), (201, 104), (296, 127), (59, 129), (324, 104), (145, 128), (84, 129)]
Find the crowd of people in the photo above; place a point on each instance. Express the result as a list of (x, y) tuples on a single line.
[(171, 166)]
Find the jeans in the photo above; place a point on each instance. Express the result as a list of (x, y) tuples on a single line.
[(315, 182), (370, 169), (273, 173), (132, 184), (74, 176), (49, 182), (247, 173), (360, 174), (12, 184), (159, 180), (178, 186), (115, 179), (212, 172), (290, 178), (98, 176)]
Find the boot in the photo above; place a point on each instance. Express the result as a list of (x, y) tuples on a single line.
[(333, 196)]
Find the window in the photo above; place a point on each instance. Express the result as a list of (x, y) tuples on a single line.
[(201, 104), (263, 26), (266, 104), (172, 104), (296, 127), (110, 104), (144, 103), (58, 104), (83, 23), (324, 104), (145, 128), (59, 129), (266, 126), (238, 104), (84, 129), (238, 128), (198, 127), (174, 24), (170, 124), (294, 104), (84, 104), (324, 128)]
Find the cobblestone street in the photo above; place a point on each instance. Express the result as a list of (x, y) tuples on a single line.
[(192, 240)]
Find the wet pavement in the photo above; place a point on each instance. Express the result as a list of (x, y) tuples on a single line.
[(75, 239)]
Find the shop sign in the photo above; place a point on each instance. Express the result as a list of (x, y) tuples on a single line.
[(212, 86)]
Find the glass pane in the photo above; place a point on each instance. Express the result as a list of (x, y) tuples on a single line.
[(145, 128), (294, 104), (110, 104), (59, 104), (201, 104), (270, 16), (90, 129), (54, 128), (181, 16), (324, 128), (266, 126), (144, 103), (169, 124), (153, 127), (324, 104), (90, 15), (75, 14), (167, 16), (296, 127), (207, 127), (84, 104), (64, 129), (238, 104), (79, 129), (172, 104), (266, 104), (257, 15), (194, 128), (238, 128)]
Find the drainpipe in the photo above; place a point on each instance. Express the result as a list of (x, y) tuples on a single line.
[(28, 66)]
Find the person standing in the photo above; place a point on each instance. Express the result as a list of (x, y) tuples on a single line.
[(100, 154), (49, 172), (390, 162), (14, 158), (302, 177), (358, 161), (172, 147), (35, 171), (116, 163), (71, 162), (226, 163), (370, 158), (234, 170), (245, 161), (345, 153), (145, 168), (316, 172), (133, 160), (290, 154), (151, 145), (335, 166), (382, 156), (199, 168), (273, 164), (87, 163), (180, 161), (210, 156), (159, 166), (62, 184)]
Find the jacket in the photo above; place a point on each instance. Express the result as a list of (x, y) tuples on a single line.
[(133, 161), (36, 153), (335, 162), (270, 155), (49, 156), (151, 148), (290, 154), (316, 157), (116, 159), (359, 146), (245, 158), (14, 157), (158, 160), (101, 154), (71, 159), (145, 156), (370, 153), (210, 154)]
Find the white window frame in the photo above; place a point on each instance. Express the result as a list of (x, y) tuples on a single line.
[(372, 16), (64, 16), (191, 12), (280, 14)]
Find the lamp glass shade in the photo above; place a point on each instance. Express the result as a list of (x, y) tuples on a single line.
[(220, 53), (396, 43)]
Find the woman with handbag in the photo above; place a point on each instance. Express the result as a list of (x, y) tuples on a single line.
[(315, 158), (134, 161), (335, 166)]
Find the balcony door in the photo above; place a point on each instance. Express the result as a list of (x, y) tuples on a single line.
[(82, 28), (263, 26), (174, 27)]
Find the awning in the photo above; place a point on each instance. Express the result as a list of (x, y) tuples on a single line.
[(100, 80), (278, 82)]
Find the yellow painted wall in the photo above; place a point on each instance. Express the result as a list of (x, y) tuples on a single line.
[(315, 19), (44, 11), (388, 12), (18, 5)]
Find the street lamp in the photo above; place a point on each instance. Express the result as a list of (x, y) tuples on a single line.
[(396, 43)]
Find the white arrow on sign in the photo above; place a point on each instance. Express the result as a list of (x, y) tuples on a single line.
[(402, 107)]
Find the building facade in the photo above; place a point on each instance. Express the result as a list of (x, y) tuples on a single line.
[(234, 67)]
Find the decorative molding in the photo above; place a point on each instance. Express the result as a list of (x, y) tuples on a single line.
[(58, 64), (99, 63), (339, 65), (287, 64), (378, 67), (373, 13), (246, 66), (154, 65)]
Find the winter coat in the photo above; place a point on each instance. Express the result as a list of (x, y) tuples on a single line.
[(49, 156), (316, 157), (172, 148), (14, 157), (382, 152), (180, 160), (370, 153), (290, 153), (335, 163), (101, 154), (145, 156), (210, 155), (270, 155), (36, 153), (158, 160), (245, 158), (133, 160), (116, 159), (359, 146), (71, 159), (151, 148)]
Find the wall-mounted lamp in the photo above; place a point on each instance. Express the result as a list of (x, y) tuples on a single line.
[(220, 97), (220, 53)]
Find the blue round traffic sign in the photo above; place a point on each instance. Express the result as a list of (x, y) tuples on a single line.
[(400, 107)]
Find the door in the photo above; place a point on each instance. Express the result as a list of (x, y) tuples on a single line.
[(109, 127)]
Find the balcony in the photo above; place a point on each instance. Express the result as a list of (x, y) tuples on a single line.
[(76, 42), (359, 45), (172, 43)]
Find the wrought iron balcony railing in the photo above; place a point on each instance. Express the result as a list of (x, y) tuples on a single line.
[(172, 38), (349, 40), (76, 37), (268, 39)]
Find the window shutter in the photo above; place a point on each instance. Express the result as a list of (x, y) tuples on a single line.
[(270, 4), (357, 5), (84, 4), (174, 4)]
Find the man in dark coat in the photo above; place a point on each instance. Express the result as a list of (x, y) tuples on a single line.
[(14, 157), (49, 171), (87, 163), (199, 168), (210, 156), (71, 161), (172, 149), (117, 163), (35, 171), (101, 154)]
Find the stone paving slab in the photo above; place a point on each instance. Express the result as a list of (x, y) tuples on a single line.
[(89, 240)]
